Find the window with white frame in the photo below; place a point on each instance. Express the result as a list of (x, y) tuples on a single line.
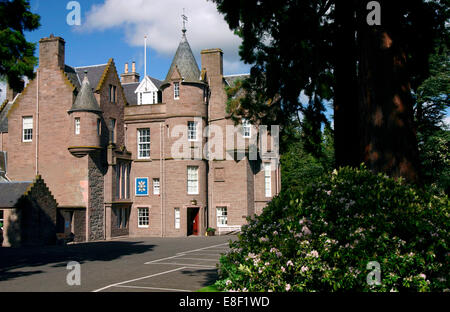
[(192, 180), (246, 128), (177, 218), (192, 131), (154, 98), (144, 143), (77, 126), (143, 217), (27, 126), (268, 179), (156, 187), (176, 90), (222, 216)]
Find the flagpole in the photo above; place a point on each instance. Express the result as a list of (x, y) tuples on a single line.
[(145, 56)]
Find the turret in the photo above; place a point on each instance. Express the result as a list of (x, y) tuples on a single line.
[(85, 116), (183, 90)]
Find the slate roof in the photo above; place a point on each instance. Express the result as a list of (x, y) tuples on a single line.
[(85, 101), (156, 82), (185, 61), (95, 73), (11, 192), (231, 79), (73, 76), (128, 89)]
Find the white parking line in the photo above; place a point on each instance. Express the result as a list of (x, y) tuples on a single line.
[(188, 265), (177, 256), (138, 279), (180, 254), (153, 288), (201, 259)]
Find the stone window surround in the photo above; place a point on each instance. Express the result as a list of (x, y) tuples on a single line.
[(144, 216), (218, 206), (27, 129), (192, 189)]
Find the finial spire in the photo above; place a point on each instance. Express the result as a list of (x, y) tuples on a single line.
[(185, 19)]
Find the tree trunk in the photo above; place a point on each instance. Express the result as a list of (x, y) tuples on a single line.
[(388, 141)]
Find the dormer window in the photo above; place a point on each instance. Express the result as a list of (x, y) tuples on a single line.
[(176, 90)]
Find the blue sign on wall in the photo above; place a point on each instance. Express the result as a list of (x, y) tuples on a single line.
[(141, 186)]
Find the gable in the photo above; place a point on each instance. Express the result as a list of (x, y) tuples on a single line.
[(146, 85)]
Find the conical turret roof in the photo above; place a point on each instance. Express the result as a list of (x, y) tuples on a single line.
[(85, 101), (185, 62)]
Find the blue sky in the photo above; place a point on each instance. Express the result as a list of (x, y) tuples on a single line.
[(116, 29)]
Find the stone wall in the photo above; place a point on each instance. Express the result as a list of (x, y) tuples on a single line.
[(96, 198)]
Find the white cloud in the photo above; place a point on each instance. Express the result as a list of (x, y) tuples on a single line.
[(161, 21)]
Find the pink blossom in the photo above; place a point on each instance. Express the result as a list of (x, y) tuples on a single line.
[(306, 230), (288, 287), (290, 263), (304, 268)]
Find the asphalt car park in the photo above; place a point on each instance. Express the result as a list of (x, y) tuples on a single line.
[(122, 265)]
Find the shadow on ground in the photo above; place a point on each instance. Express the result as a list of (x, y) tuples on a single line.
[(210, 275), (58, 256)]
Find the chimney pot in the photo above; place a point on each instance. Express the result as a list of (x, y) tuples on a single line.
[(133, 67), (126, 68)]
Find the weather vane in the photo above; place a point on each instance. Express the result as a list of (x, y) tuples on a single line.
[(185, 19)]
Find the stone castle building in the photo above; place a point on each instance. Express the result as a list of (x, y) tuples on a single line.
[(124, 156)]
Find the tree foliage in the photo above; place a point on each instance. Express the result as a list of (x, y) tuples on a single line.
[(299, 167), (323, 238), (16, 54), (326, 49)]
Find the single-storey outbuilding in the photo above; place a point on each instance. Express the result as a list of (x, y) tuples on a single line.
[(29, 213)]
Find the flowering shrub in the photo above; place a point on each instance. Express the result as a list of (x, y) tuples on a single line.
[(323, 237)]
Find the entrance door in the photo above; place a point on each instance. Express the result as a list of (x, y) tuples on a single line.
[(193, 221)]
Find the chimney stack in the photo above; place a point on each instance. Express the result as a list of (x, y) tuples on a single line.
[(128, 77), (52, 52)]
